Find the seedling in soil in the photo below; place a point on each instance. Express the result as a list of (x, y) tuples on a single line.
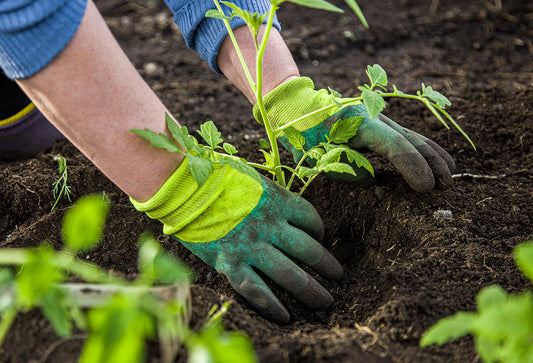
[(61, 186), (503, 324), (118, 314), (325, 157)]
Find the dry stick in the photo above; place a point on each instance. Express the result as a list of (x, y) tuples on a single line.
[(482, 176)]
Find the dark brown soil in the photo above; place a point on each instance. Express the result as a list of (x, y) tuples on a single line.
[(404, 269)]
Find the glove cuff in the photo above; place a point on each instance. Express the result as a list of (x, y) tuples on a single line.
[(202, 213), (293, 99)]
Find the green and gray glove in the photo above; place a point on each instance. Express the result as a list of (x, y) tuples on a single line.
[(236, 223), (420, 160)]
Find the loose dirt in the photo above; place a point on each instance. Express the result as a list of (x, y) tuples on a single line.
[(404, 269)]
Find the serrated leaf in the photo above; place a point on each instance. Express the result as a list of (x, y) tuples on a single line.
[(524, 258), (316, 153), (209, 132), (244, 168), (435, 96), (230, 149), (304, 172), (374, 103), (181, 134), (200, 167), (158, 140), (333, 155), (339, 168), (377, 75), (264, 144), (213, 13), (344, 129), (357, 10), (359, 159), (84, 223), (295, 138), (317, 4), (449, 328), (269, 159)]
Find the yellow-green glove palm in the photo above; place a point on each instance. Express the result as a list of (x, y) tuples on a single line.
[(420, 160), (236, 223)]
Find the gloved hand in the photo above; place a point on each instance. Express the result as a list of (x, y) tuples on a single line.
[(420, 160), (236, 223)]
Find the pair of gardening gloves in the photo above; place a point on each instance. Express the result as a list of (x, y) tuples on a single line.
[(240, 225)]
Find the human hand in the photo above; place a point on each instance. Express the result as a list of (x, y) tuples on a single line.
[(421, 161), (237, 224)]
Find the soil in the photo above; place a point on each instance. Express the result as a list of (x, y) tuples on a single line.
[(404, 268)]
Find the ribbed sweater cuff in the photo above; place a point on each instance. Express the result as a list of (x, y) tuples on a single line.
[(29, 40), (205, 35)]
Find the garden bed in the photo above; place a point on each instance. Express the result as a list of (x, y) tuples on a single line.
[(404, 268)]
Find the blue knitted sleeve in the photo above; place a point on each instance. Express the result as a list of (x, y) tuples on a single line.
[(205, 35), (33, 32)]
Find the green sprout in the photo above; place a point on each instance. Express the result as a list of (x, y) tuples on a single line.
[(61, 186)]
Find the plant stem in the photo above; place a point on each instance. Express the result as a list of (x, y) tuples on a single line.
[(307, 184), (237, 48), (344, 102), (280, 177)]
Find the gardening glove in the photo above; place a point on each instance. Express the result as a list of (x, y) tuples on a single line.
[(237, 224), (420, 160)]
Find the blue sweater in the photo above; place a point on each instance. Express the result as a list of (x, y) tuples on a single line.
[(34, 32)]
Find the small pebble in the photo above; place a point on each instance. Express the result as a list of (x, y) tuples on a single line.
[(443, 214)]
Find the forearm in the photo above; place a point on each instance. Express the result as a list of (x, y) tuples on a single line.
[(92, 93)]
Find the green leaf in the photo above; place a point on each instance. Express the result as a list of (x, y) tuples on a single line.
[(269, 159), (304, 172), (359, 159), (158, 140), (230, 149), (332, 155), (344, 129), (489, 297), (317, 4), (295, 138), (374, 103), (449, 328), (118, 331), (357, 10), (339, 168), (37, 276), (213, 13), (55, 307), (84, 223), (315, 153), (377, 75), (181, 134), (158, 266), (209, 132), (264, 144), (524, 258), (435, 96), (244, 168), (200, 167)]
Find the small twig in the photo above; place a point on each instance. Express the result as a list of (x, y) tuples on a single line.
[(478, 176)]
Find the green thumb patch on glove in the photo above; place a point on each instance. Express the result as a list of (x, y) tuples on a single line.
[(294, 99), (202, 213)]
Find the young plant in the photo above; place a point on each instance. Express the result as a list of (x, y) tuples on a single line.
[(118, 314), (325, 157), (503, 324), (61, 185)]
